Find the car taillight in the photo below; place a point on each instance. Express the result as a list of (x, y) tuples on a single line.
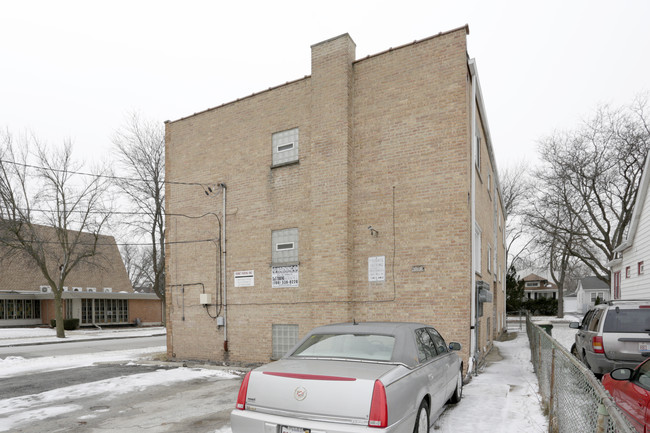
[(243, 390), (378, 407), (597, 344)]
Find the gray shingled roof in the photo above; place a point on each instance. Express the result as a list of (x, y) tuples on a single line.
[(104, 270), (593, 283)]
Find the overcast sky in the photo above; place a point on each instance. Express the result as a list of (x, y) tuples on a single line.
[(75, 69)]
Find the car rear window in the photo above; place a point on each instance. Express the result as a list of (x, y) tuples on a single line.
[(349, 346), (628, 320)]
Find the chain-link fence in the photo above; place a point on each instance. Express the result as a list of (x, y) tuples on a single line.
[(575, 400)]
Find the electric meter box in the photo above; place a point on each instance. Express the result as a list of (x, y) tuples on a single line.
[(205, 299)]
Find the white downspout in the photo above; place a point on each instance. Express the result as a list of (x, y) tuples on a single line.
[(473, 322), (224, 273)]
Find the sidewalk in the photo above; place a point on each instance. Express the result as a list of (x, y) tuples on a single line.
[(30, 336), (503, 398)]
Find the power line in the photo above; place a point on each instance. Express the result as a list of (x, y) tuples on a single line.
[(111, 244), (119, 213), (104, 176)]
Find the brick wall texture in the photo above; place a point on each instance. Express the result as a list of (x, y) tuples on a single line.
[(384, 141)]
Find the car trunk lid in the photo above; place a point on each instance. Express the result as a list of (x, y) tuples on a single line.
[(327, 390), (626, 333)]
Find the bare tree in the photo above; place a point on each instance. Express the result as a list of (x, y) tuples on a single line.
[(588, 183), (552, 228), (515, 190), (137, 260), (49, 218), (141, 150)]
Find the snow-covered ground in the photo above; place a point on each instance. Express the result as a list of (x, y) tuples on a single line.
[(561, 331), (24, 411), (12, 336), (503, 398), (15, 365), (18, 410)]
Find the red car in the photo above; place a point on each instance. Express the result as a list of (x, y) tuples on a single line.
[(630, 389)]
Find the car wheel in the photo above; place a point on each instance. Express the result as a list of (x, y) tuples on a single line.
[(422, 420), (458, 392), (574, 350)]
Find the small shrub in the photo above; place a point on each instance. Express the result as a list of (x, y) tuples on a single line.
[(68, 324), (542, 306)]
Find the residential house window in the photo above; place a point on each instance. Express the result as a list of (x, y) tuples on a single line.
[(477, 157), (617, 285), (68, 309), (627, 272), (489, 185), (285, 147), (595, 295), (284, 338), (284, 246), (640, 268), (532, 284), (477, 249)]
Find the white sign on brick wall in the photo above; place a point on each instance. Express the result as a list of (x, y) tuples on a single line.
[(244, 278), (284, 276), (377, 268)]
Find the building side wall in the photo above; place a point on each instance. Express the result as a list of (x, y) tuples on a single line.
[(411, 183), (489, 218), (232, 145), (637, 286), (148, 311), (383, 142)]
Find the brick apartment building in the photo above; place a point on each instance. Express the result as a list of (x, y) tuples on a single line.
[(366, 191)]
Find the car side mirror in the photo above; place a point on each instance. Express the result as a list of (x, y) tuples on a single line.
[(454, 346), (574, 325), (622, 374)]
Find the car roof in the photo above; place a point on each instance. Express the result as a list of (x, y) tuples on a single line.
[(390, 328), (623, 302)]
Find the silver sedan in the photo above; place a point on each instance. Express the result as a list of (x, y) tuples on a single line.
[(353, 377)]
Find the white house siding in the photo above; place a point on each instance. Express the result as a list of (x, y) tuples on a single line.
[(571, 304), (636, 286)]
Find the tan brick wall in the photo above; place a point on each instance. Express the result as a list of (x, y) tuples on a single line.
[(410, 145), (148, 311), (384, 141), (48, 311)]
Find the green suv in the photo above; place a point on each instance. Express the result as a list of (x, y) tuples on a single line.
[(613, 335)]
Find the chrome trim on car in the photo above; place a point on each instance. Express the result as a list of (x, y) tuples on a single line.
[(308, 416)]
